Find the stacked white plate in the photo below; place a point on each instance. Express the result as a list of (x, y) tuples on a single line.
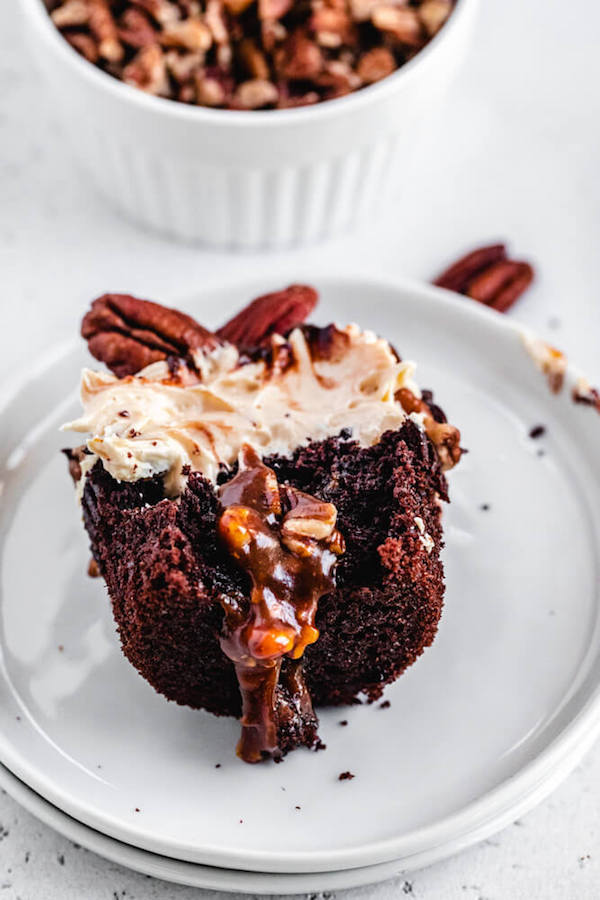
[(488, 721)]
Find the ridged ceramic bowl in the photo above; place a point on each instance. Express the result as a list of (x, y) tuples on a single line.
[(246, 179)]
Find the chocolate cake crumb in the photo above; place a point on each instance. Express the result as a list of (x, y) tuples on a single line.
[(320, 745), (217, 765), (385, 705), (541, 452), (137, 809), (345, 776), (165, 570), (537, 431), (60, 648), (485, 507), (344, 722), (298, 807)]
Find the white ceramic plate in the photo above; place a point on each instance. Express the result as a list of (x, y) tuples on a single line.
[(234, 880), (194, 874), (489, 714)]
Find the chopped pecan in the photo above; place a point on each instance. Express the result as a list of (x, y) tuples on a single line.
[(375, 64), (191, 35), (183, 66), (255, 94), (215, 19), (338, 78), (273, 9), (271, 54), (287, 100), (400, 21), (135, 29), (444, 437), (488, 276), (210, 91), (310, 519), (129, 334), (584, 393), (551, 361), (361, 10), (104, 28), (254, 60), (276, 313), (299, 58), (84, 44), (237, 7), (332, 27), (148, 71), (433, 14), (164, 12), (72, 13)]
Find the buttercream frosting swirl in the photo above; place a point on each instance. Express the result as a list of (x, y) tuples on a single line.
[(156, 423)]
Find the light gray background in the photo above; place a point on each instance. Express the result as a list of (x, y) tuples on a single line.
[(514, 155)]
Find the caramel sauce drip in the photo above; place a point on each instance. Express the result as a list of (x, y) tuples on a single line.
[(288, 544)]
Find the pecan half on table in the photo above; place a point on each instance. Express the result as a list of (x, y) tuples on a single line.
[(488, 276)]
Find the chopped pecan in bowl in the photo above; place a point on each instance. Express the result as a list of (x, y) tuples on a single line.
[(249, 54)]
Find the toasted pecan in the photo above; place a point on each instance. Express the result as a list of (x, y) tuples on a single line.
[(128, 334), (488, 276), (458, 276), (276, 313), (444, 437), (269, 54)]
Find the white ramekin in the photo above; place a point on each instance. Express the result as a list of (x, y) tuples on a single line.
[(246, 179)]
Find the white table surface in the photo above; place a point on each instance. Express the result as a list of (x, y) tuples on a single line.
[(514, 156)]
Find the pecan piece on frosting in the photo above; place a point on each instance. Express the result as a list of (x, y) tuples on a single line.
[(276, 313), (129, 334), (444, 437)]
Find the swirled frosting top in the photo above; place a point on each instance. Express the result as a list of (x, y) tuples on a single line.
[(157, 422)]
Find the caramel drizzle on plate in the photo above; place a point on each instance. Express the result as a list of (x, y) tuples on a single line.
[(288, 544)]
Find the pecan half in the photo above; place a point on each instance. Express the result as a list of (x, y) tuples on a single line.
[(458, 276), (501, 284), (128, 334), (276, 313), (488, 276)]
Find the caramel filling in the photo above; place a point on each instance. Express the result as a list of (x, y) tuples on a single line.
[(288, 544)]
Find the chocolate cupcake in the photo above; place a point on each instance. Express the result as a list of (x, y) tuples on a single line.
[(264, 506)]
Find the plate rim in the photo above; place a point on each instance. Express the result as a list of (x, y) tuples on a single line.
[(489, 807), (207, 877)]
